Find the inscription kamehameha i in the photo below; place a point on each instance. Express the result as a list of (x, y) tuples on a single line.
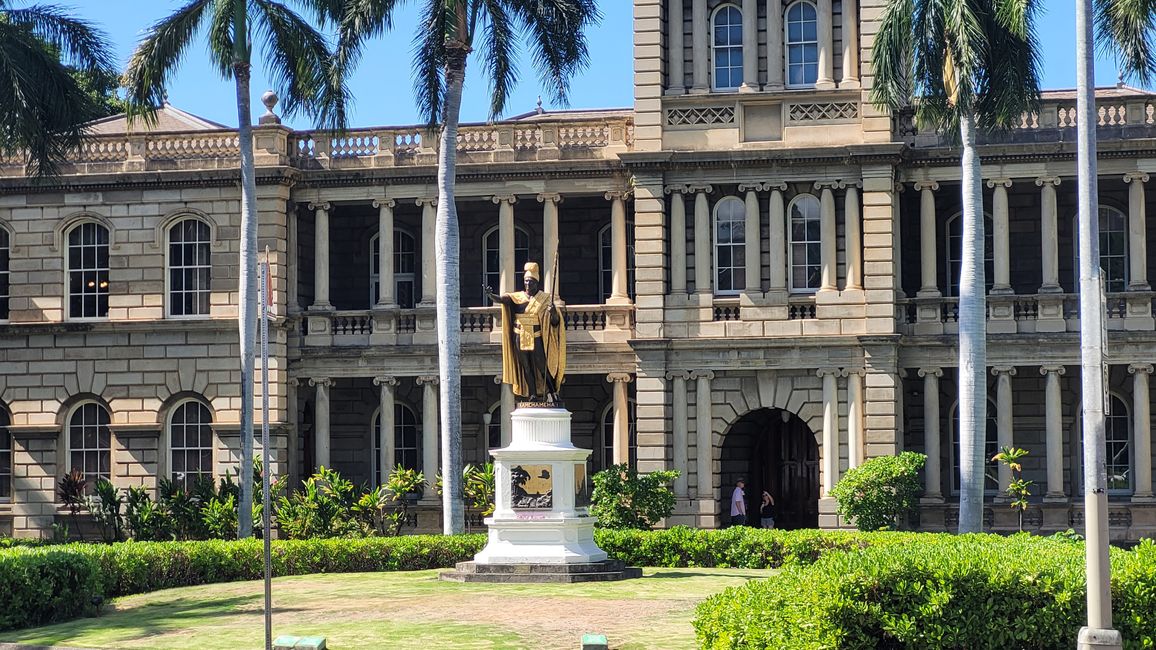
[(533, 341)]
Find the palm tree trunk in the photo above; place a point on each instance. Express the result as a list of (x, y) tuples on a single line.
[(972, 340), (449, 302), (1091, 331), (247, 318)]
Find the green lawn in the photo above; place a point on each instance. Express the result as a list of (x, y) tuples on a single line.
[(378, 610)]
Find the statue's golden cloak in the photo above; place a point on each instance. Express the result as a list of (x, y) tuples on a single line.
[(553, 341)]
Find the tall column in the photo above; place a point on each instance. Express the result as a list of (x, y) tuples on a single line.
[(428, 252), (1142, 429), (293, 299), (387, 454), (679, 418), (509, 275), (778, 237), (830, 430), (1001, 237), (775, 63), (675, 50), (385, 297), (704, 437), (850, 45), (621, 410), (897, 239), (1004, 420), (505, 410), (825, 23), (429, 428), (549, 201), (853, 231), (700, 48), (753, 237), (1137, 232), (321, 421), (702, 239), (828, 236), (619, 294), (677, 238), (928, 284), (933, 488), (1049, 234), (750, 47), (321, 257), (854, 416), (1054, 430)]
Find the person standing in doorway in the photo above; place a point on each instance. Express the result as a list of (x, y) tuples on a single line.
[(739, 504), (767, 511)]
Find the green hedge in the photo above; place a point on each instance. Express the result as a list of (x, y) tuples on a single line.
[(45, 586), (976, 591)]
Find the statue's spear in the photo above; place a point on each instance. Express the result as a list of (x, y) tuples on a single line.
[(554, 280)]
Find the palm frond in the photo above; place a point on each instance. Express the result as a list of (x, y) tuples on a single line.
[(158, 55), (497, 47), (893, 56), (430, 56), (1009, 82), (1127, 30), (358, 22), (222, 36), (80, 42), (556, 34)]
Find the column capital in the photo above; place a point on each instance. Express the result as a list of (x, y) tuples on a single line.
[(1057, 369), (1003, 370), (504, 198), (1140, 367), (702, 374), (829, 185), (678, 374), (321, 381), (899, 187), (294, 381), (431, 380), (384, 203), (1136, 176), (619, 377), (849, 372), (553, 197), (1048, 180), (931, 372), (498, 379), (385, 381), (677, 189), (823, 372), (926, 185), (422, 202), (320, 205), (700, 189), (999, 182), (618, 195), (751, 187), (772, 186)]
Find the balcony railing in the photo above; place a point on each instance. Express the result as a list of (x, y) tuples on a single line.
[(1026, 314)]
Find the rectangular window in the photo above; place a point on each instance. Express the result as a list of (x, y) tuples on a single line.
[(5, 250), (88, 271), (5, 458), (190, 268)]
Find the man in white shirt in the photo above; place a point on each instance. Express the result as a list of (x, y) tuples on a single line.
[(739, 504)]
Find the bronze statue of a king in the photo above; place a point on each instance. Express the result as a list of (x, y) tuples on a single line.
[(533, 340)]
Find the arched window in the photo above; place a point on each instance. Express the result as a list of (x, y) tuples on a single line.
[(606, 262), (1118, 431), (805, 248), (190, 268), (404, 269), (802, 45), (492, 258), (88, 271), (954, 257), (494, 429), (5, 254), (406, 442), (1113, 249), (5, 455), (990, 448), (606, 437), (728, 48), (89, 442), (730, 246), (190, 444)]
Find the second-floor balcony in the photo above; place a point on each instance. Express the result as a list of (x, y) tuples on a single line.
[(1027, 314)]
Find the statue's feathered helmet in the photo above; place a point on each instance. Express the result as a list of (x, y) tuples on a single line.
[(533, 271)]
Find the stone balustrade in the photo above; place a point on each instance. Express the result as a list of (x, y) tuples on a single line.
[(1026, 314)]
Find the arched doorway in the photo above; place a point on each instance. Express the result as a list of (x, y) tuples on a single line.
[(774, 450)]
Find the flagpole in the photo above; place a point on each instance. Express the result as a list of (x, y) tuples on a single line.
[(265, 466)]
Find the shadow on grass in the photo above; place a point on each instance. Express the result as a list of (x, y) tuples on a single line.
[(667, 575)]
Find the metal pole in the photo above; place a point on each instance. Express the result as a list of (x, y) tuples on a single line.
[(265, 466)]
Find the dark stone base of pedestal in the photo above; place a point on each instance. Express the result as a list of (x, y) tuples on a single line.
[(607, 571)]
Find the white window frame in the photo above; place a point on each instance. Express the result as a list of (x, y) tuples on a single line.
[(5, 273), (171, 449), (69, 270), (788, 44), (1112, 418), (953, 255), (606, 435), (399, 409), (736, 244), (606, 262), (399, 234), (170, 299), (991, 448), (90, 479), (732, 47), (806, 290), (6, 450), (519, 262), (1121, 283)]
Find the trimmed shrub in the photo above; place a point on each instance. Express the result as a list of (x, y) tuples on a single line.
[(974, 591), (45, 586), (878, 494), (623, 498)]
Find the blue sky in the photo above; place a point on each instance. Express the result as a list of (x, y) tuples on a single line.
[(382, 84)]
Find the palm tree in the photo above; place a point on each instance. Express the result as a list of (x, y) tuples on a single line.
[(301, 63), (43, 108), (967, 65), (447, 35), (1128, 29)]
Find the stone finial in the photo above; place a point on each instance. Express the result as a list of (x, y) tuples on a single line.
[(269, 99)]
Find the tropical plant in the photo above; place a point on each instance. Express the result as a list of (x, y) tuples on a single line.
[(879, 493), (623, 498), (966, 65), (479, 483), (1019, 489), (43, 107), (144, 519), (403, 483), (323, 507), (300, 63), (449, 31), (71, 490), (105, 506)]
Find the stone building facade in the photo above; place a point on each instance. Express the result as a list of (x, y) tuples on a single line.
[(759, 270)]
